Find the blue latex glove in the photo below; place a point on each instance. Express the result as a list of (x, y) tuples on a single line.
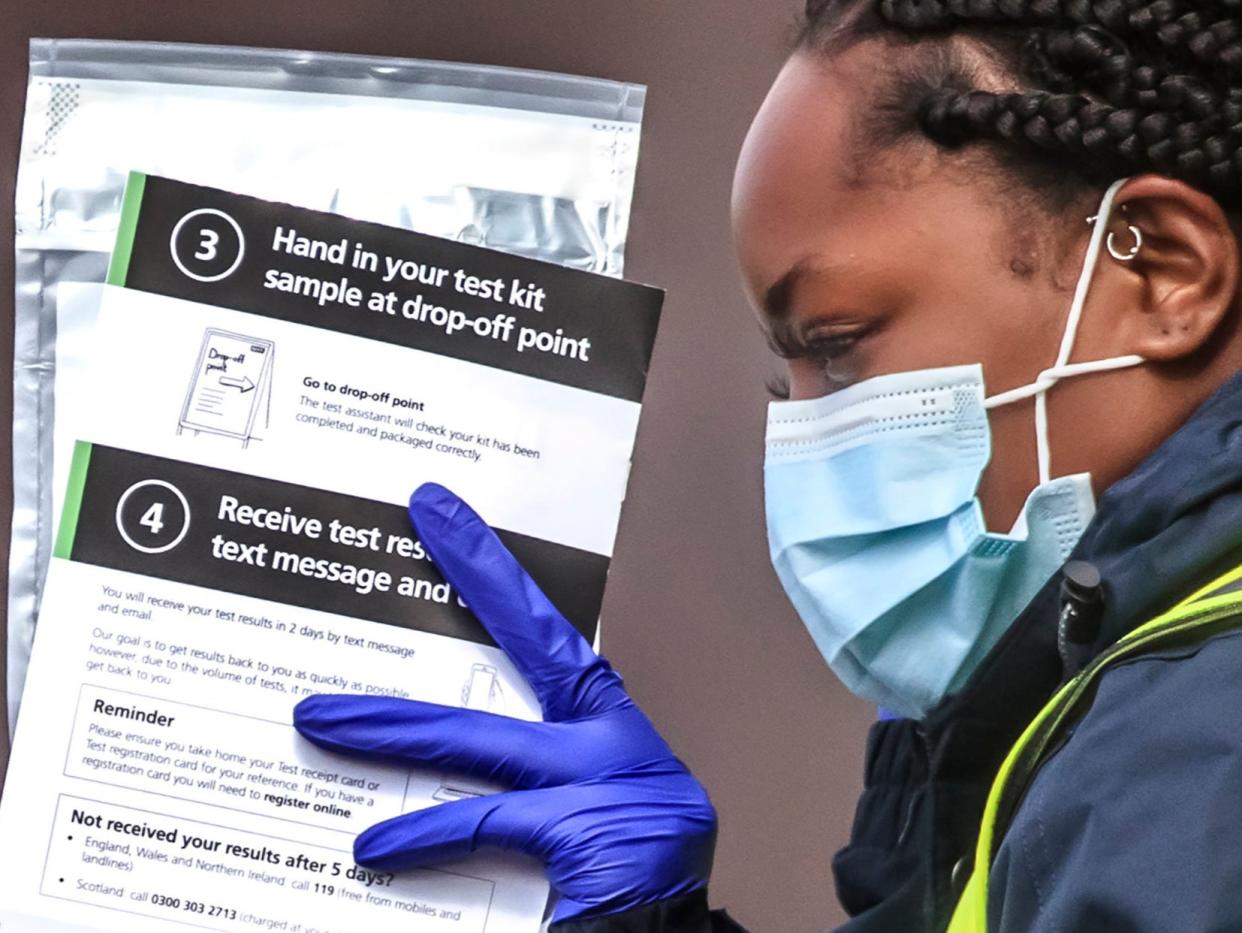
[(598, 795)]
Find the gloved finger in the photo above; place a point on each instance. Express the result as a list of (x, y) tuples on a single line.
[(411, 733), (568, 677), (452, 831)]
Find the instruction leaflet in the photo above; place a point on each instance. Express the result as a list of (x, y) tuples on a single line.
[(270, 385)]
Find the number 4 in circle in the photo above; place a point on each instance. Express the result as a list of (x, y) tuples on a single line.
[(153, 516)]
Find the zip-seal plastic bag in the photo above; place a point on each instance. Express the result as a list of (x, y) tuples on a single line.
[(535, 163)]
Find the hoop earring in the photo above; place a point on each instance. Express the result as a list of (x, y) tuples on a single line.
[(1134, 250)]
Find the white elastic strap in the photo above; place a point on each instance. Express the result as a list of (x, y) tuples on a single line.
[(1063, 369), (1050, 377), (1098, 238)]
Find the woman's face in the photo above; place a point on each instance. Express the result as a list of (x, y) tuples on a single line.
[(863, 263)]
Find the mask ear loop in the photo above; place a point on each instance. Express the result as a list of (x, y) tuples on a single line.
[(1098, 238), (1063, 369)]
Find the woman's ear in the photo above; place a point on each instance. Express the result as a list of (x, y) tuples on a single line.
[(1181, 286)]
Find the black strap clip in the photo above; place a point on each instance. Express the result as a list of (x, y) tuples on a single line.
[(1082, 610)]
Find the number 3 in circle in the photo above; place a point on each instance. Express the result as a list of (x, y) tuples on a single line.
[(207, 249), (207, 245)]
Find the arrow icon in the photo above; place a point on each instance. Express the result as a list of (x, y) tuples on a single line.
[(244, 384)]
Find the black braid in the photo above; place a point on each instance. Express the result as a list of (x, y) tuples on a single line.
[(1110, 87)]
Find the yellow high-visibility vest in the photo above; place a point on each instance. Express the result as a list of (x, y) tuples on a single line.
[(1214, 609)]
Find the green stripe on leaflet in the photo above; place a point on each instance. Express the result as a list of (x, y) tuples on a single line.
[(131, 206), (73, 500)]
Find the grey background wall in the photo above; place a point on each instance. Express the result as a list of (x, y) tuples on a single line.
[(694, 618)]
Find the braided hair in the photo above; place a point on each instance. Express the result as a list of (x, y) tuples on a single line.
[(1107, 88)]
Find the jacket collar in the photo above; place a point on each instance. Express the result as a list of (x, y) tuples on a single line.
[(1175, 523), (1171, 526)]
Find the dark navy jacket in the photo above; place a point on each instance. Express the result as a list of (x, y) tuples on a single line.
[(1135, 823)]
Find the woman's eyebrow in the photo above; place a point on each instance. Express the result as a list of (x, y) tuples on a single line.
[(778, 299)]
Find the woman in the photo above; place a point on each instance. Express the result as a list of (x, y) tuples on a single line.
[(995, 241)]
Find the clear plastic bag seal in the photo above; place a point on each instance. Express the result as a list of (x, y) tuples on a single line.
[(325, 73), (427, 145), (531, 162)]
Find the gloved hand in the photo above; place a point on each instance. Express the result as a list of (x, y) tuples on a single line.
[(598, 796)]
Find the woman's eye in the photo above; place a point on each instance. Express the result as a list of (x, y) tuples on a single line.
[(828, 349), (832, 353)]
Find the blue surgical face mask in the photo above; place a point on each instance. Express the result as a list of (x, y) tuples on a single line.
[(878, 537)]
